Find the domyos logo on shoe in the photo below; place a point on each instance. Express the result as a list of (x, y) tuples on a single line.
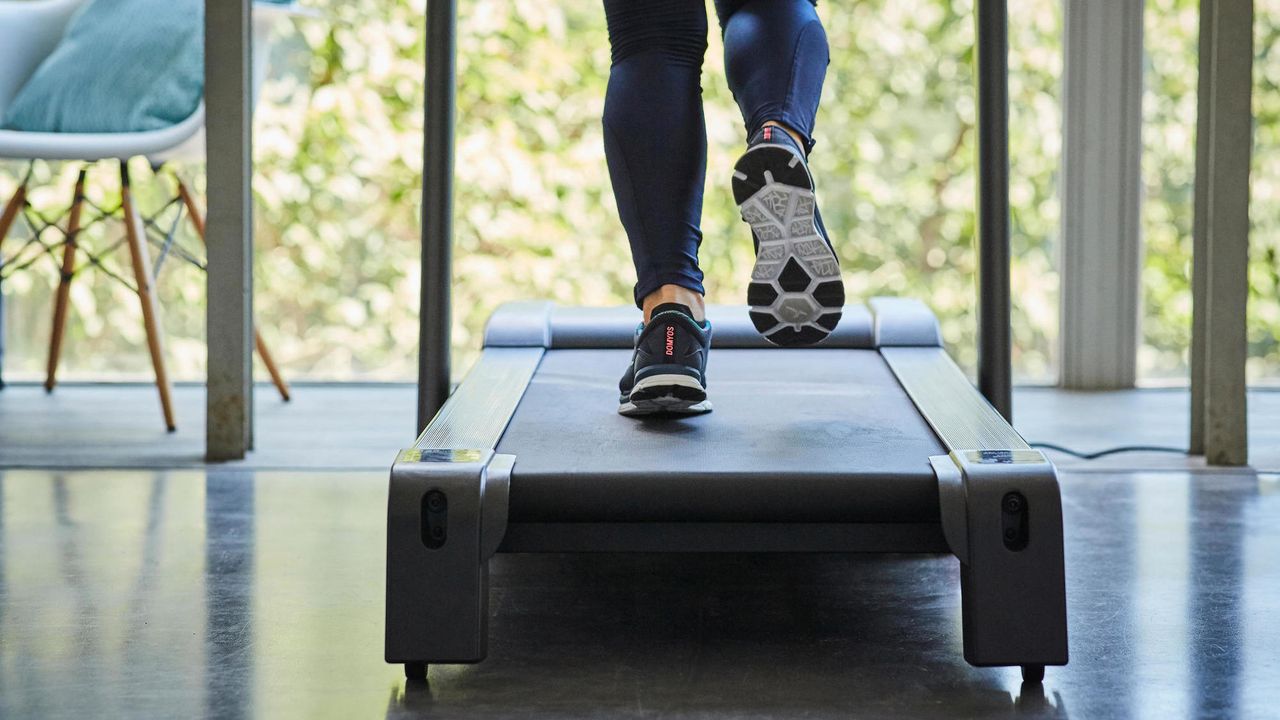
[(671, 340)]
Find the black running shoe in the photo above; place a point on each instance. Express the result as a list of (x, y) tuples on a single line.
[(668, 370), (795, 293)]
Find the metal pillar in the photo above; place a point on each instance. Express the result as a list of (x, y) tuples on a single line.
[(995, 378), (1220, 288), (1101, 194), (435, 313), (228, 89)]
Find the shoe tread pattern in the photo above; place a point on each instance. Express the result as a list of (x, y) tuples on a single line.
[(796, 294)]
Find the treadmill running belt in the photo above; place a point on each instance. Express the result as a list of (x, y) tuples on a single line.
[(808, 435)]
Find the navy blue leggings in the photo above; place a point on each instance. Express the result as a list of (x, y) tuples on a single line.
[(655, 139)]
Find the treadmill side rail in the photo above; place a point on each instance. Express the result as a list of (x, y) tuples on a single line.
[(959, 415), (1013, 586), (1001, 513), (478, 411), (441, 531), (1004, 523)]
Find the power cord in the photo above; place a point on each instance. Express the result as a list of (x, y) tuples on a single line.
[(1108, 451)]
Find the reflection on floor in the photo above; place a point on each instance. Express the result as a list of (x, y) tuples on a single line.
[(240, 594)]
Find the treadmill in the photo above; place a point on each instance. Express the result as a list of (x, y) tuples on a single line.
[(872, 441)]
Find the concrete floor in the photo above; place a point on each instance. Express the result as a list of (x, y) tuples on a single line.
[(245, 592), (65, 429)]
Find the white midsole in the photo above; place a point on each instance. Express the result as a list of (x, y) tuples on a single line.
[(667, 379)]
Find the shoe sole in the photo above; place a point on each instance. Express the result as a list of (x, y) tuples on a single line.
[(796, 295), (673, 394)]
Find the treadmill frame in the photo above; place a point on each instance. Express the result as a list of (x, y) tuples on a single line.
[(1014, 600)]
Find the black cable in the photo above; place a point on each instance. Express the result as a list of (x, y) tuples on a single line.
[(1108, 451)]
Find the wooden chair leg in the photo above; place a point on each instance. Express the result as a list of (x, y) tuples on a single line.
[(141, 257), (11, 210), (193, 212), (197, 222), (58, 328), (276, 378)]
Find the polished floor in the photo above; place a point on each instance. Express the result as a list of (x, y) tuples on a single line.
[(64, 429), (162, 588), (259, 594), (374, 420)]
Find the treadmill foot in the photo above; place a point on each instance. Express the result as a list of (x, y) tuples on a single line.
[(418, 671), (1033, 674)]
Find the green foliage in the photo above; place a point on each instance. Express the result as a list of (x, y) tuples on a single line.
[(339, 160)]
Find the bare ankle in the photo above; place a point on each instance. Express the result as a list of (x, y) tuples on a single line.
[(795, 135), (675, 294)]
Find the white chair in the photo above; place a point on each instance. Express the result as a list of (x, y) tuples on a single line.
[(29, 31)]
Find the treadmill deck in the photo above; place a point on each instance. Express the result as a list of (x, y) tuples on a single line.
[(813, 435)]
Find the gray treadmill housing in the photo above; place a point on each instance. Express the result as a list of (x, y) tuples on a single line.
[(889, 321), (949, 498)]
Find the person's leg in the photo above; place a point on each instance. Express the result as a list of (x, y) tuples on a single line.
[(776, 59), (776, 55), (656, 147), (656, 143)]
